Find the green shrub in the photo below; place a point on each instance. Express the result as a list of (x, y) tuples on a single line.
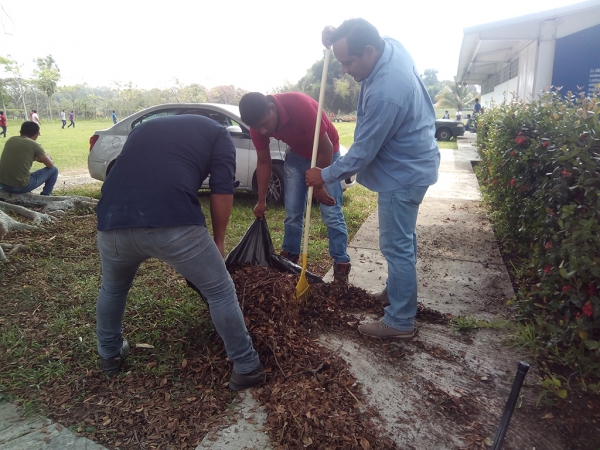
[(540, 174)]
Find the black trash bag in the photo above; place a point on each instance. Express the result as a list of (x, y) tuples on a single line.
[(255, 248), (285, 265)]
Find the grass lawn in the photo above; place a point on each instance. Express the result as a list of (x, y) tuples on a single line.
[(68, 148)]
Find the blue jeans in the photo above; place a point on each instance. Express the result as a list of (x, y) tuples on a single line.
[(398, 211), (296, 191), (191, 251), (46, 176)]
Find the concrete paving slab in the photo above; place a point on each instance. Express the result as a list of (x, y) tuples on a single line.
[(18, 433), (245, 433)]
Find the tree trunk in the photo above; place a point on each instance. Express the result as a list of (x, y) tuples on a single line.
[(50, 105)]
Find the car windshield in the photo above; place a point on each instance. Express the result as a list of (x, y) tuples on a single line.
[(222, 118)]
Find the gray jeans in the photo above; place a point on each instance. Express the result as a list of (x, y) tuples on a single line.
[(191, 251)]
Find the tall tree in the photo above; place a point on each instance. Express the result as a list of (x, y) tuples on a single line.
[(20, 84), (430, 77), (431, 82), (341, 98), (47, 76), (454, 95)]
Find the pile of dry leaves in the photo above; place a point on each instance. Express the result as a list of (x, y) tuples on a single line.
[(310, 396)]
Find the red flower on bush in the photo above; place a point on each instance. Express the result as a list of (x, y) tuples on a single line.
[(591, 289), (566, 174), (512, 182), (566, 288), (547, 269), (512, 153), (545, 144), (548, 245), (520, 140), (588, 309)]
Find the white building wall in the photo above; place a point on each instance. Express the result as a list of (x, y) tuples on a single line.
[(527, 70), (503, 91)]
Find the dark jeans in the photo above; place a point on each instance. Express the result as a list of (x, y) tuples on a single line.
[(64, 121), (72, 123), (3, 131), (46, 176)]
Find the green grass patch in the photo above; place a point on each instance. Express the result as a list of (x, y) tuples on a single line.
[(68, 148)]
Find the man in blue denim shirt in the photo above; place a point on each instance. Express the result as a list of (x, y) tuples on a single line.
[(394, 153)]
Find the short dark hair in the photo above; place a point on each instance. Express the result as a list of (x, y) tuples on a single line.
[(477, 100), (254, 106), (29, 129), (358, 33)]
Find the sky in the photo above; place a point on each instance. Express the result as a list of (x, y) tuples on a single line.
[(254, 45)]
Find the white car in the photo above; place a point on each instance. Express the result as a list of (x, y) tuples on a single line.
[(106, 145)]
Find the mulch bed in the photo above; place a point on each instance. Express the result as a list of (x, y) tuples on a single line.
[(310, 396)]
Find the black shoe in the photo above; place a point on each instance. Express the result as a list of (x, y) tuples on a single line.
[(241, 381), (382, 297), (288, 255), (341, 272), (111, 366)]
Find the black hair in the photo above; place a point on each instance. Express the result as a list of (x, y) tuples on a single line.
[(30, 129), (358, 33), (476, 100), (254, 106)]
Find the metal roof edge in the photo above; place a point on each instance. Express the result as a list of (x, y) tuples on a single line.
[(534, 17)]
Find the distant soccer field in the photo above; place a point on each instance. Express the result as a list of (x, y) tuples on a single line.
[(68, 148)]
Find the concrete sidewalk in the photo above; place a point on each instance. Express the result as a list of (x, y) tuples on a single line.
[(460, 272)]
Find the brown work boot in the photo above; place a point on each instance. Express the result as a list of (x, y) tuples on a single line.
[(287, 255), (381, 330), (382, 297), (241, 381), (341, 272)]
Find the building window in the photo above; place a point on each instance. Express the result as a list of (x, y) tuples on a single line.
[(506, 73)]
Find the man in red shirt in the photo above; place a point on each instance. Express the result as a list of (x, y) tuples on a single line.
[(291, 117)]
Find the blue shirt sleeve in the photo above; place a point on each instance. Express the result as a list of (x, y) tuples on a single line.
[(376, 128)]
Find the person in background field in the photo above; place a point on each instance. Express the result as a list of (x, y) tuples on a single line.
[(394, 153), (35, 119), (291, 117), (3, 123), (446, 115), (469, 124), (63, 118), (150, 209), (72, 119), (17, 158), (114, 117), (477, 107), (458, 114)]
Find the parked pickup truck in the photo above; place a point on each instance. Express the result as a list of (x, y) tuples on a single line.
[(446, 129)]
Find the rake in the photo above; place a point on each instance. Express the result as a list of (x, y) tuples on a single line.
[(303, 288)]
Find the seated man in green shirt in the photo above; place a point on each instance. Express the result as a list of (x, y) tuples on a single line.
[(17, 158)]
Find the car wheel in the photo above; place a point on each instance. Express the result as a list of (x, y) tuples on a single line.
[(275, 189), (444, 134)]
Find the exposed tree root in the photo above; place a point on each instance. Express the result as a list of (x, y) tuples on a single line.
[(20, 204)]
